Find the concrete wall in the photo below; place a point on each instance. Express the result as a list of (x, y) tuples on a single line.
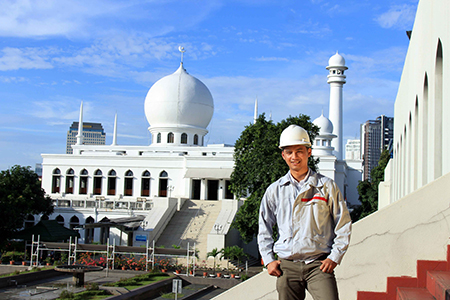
[(390, 241), (421, 128)]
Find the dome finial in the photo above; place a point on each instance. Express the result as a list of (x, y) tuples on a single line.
[(181, 49)]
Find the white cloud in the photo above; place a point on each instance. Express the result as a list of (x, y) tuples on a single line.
[(385, 60), (25, 58), (28, 18), (92, 18), (12, 79), (398, 16), (61, 108)]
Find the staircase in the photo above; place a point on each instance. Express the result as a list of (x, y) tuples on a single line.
[(432, 282), (191, 224)]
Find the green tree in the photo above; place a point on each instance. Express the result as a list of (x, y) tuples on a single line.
[(227, 253), (237, 253), (258, 163), (20, 195), (368, 189)]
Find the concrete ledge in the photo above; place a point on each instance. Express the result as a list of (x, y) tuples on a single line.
[(260, 286), (146, 292), (28, 277), (222, 283)]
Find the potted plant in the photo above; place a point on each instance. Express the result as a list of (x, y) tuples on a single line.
[(178, 269), (48, 261)]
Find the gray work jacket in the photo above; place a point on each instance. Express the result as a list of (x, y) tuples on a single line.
[(317, 222)]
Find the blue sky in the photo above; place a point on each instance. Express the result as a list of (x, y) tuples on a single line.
[(56, 53)]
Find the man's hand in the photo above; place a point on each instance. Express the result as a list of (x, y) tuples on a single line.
[(328, 265), (274, 268)]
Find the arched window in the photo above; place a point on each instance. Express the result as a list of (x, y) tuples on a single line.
[(128, 188), (74, 221), (112, 177), (145, 184), (163, 180), (29, 221), (438, 111), (424, 136), (195, 139), (83, 182), (70, 179), (60, 220), (184, 138), (170, 138), (158, 138), (416, 144), (44, 217), (98, 178), (56, 180)]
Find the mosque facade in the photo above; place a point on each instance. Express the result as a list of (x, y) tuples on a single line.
[(143, 186)]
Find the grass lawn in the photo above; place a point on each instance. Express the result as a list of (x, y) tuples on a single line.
[(35, 269), (86, 295), (139, 281)]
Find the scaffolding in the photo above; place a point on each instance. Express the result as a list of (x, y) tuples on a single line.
[(110, 251)]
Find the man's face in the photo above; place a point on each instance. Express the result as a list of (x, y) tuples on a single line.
[(296, 157)]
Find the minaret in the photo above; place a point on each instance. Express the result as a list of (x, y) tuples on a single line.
[(255, 116), (114, 142), (336, 79), (80, 126), (322, 143)]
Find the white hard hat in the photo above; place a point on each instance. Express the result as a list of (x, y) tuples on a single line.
[(294, 135)]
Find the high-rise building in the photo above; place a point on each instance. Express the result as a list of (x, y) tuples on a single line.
[(353, 149), (93, 134), (376, 136)]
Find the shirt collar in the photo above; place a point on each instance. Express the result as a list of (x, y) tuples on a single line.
[(311, 179), (289, 179)]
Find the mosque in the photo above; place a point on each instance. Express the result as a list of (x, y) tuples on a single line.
[(176, 189)]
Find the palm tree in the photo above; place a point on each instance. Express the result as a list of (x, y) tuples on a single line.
[(238, 253), (213, 253), (227, 253)]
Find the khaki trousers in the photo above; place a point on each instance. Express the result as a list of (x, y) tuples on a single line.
[(298, 276)]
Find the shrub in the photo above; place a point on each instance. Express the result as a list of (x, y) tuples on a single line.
[(92, 287), (66, 295), (244, 277), (12, 255)]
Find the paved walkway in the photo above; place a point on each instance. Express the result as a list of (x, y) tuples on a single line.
[(51, 288)]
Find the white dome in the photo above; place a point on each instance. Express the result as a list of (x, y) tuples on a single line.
[(325, 125), (179, 100), (336, 61)]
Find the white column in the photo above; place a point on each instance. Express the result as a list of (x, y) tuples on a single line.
[(203, 189), (221, 193), (336, 117)]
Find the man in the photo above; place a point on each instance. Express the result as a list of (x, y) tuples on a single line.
[(313, 224)]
